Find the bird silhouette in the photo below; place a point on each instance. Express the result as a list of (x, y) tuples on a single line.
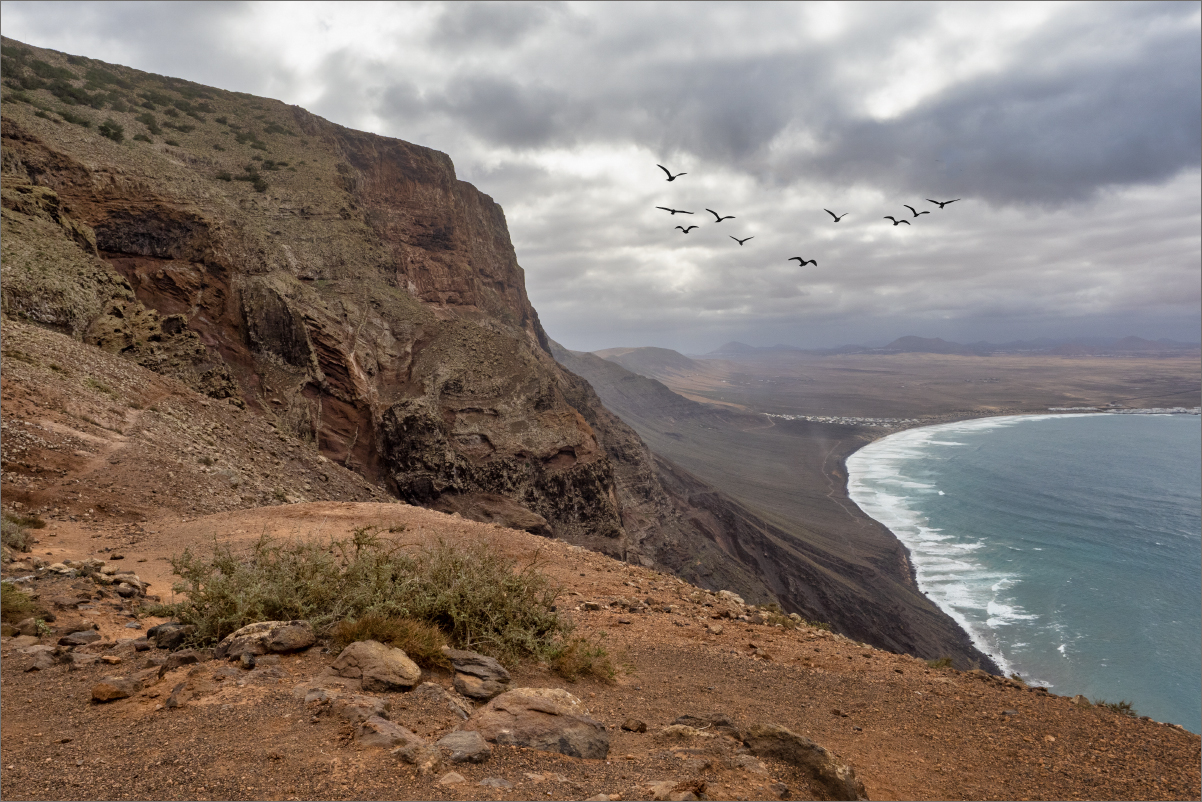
[(837, 217), (686, 230), (669, 172), (895, 222), (718, 218), (911, 208), (941, 204), (741, 241), (803, 262), (673, 211)]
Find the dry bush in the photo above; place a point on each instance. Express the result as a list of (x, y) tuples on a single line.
[(15, 604), (421, 641), (575, 657), (478, 598)]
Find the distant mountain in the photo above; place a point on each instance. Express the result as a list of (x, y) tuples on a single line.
[(649, 361), (911, 344)]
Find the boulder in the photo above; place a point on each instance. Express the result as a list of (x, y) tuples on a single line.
[(377, 731), (29, 626), (836, 779), (476, 675), (547, 719), (379, 667), (111, 688), (466, 747), (266, 637), (170, 635)]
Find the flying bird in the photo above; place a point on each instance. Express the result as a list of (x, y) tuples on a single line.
[(686, 230), (803, 262), (673, 211), (741, 241), (669, 172), (941, 204), (895, 222), (837, 217), (916, 213), (718, 218)]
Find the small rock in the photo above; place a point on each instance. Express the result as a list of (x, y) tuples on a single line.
[(41, 662), (714, 629), (246, 660), (184, 657), (111, 659), (28, 626), (141, 645), (133, 625), (377, 731), (79, 638), (476, 675), (436, 694), (592, 606), (836, 779), (598, 798), (466, 747), (171, 635), (495, 782), (451, 778), (358, 708), (111, 688), (1081, 701), (425, 757), (1009, 712), (780, 789), (634, 725)]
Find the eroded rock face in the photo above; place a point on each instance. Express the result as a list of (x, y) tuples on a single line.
[(547, 719)]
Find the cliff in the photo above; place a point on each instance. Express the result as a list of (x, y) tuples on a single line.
[(350, 290)]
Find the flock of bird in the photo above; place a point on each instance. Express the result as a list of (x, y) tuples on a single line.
[(801, 261)]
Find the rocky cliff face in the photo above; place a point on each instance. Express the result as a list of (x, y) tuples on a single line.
[(347, 287)]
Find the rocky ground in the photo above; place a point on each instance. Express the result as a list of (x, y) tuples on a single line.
[(215, 730)]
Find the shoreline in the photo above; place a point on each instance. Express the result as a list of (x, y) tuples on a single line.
[(971, 592)]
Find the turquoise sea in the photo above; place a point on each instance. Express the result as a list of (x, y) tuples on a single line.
[(1068, 546)]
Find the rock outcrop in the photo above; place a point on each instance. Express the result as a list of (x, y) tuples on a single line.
[(547, 719)]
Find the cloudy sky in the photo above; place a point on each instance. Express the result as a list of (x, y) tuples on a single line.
[(1071, 133)]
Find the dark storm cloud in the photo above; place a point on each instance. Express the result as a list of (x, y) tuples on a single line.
[(1126, 116), (1071, 131)]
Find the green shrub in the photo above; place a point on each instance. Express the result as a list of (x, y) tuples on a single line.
[(185, 128), (15, 604), (43, 70), (478, 598), (942, 662), (75, 119), (173, 142), (143, 138), (218, 147), (110, 129), (148, 120), (224, 175)]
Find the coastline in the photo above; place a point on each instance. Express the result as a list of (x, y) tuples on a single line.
[(893, 479)]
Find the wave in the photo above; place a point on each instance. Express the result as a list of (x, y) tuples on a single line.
[(971, 593)]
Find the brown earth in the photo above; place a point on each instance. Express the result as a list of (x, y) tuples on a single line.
[(909, 731)]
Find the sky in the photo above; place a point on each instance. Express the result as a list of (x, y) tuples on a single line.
[(1071, 133)]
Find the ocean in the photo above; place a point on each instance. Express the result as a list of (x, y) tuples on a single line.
[(1069, 547)]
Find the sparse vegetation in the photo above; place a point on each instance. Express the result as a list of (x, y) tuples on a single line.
[(942, 662), (1123, 708), (477, 598), (575, 657), (152, 125), (172, 142), (143, 138), (112, 130), (14, 531), (15, 604)]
